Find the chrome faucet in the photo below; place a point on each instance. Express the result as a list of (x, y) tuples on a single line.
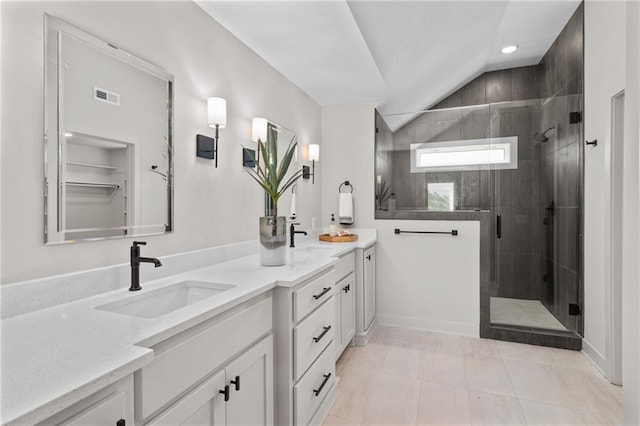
[(293, 232), (136, 260)]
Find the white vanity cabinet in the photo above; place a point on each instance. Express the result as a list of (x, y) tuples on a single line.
[(305, 329), (111, 406), (365, 293), (345, 303), (219, 372), (240, 394)]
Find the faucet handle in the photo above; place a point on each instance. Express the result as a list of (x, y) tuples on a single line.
[(139, 243)]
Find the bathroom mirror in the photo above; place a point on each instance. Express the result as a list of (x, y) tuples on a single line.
[(108, 140), (287, 205)]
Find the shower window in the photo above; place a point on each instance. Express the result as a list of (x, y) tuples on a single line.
[(440, 196), (465, 155)]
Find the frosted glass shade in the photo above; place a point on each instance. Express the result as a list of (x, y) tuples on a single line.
[(259, 129), (217, 112), (314, 152)]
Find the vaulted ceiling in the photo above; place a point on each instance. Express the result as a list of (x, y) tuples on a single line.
[(407, 54)]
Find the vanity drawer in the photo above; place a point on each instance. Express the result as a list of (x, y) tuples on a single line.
[(345, 266), (177, 367), (311, 295), (309, 392), (312, 335)]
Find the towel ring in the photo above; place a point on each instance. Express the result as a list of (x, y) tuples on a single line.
[(346, 182)]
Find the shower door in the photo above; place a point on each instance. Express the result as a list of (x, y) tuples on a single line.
[(534, 244)]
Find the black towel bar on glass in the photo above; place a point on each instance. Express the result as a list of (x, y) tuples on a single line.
[(452, 232)]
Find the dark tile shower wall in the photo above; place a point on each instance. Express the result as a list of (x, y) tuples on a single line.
[(561, 87)]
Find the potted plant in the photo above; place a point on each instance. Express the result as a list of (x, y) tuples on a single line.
[(272, 177)]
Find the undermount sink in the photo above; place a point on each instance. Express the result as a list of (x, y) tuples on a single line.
[(162, 301)]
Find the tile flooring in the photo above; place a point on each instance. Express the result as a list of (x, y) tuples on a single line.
[(526, 313), (409, 377)]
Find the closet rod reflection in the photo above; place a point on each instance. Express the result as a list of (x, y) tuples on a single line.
[(452, 232)]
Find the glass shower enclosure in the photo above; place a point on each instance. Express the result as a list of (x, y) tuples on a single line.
[(520, 164)]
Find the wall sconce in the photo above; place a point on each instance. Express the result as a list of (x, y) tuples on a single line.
[(217, 118), (314, 155), (258, 133)]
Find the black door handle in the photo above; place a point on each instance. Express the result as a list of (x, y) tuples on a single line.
[(324, 331), (225, 392), (324, 291), (324, 382), (498, 226), (236, 382)]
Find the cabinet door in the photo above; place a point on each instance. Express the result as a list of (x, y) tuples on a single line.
[(369, 286), (250, 379), (347, 309), (203, 406), (337, 339)]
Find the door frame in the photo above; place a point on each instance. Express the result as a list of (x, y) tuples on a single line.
[(613, 259)]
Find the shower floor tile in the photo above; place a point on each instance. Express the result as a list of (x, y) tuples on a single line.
[(524, 313)]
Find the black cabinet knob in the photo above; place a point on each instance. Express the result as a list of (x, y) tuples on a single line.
[(121, 422), (369, 257)]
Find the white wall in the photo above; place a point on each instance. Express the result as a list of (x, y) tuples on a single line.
[(423, 282), (212, 206), (631, 235), (604, 78)]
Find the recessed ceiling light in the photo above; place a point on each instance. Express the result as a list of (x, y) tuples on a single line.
[(509, 49)]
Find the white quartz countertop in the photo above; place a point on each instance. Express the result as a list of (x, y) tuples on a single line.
[(55, 357)]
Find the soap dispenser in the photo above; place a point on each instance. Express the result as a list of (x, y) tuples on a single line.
[(333, 228)]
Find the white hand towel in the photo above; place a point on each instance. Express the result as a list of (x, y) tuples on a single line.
[(345, 209)]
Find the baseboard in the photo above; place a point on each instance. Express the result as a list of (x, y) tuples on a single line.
[(596, 358), (449, 327), (361, 339)]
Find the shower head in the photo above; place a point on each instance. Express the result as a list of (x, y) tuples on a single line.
[(542, 137)]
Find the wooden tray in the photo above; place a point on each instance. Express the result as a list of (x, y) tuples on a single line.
[(344, 239)]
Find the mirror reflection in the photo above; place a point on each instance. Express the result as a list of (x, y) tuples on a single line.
[(108, 117), (288, 203)]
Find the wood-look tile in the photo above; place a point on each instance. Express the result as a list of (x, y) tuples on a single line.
[(535, 381), (561, 357), (475, 346), (538, 413), (354, 392), (443, 405), (416, 377), (371, 357), (337, 421), (491, 409), (440, 342), (443, 367), (487, 374), (402, 361), (393, 400), (589, 392)]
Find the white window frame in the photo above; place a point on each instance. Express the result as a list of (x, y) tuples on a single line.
[(441, 151)]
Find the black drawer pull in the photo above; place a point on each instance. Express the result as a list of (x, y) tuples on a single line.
[(498, 226), (324, 382), (225, 392), (236, 382), (121, 422), (324, 331), (325, 290)]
